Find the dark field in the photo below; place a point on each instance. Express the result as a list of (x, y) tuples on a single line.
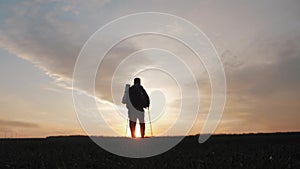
[(264, 151)]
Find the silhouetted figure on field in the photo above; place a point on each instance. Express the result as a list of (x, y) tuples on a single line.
[(136, 99)]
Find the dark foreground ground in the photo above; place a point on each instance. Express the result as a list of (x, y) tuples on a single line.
[(264, 151)]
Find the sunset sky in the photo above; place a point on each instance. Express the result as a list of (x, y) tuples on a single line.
[(258, 42)]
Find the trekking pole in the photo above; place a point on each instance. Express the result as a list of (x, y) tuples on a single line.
[(150, 122), (127, 123)]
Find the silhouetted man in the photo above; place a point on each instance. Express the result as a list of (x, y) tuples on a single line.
[(136, 99)]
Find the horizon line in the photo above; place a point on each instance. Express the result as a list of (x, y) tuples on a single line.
[(192, 135)]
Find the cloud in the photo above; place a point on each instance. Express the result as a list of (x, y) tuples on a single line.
[(37, 38), (262, 93), (277, 67), (260, 52), (8, 124), (51, 34)]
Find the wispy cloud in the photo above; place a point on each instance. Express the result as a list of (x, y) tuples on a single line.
[(8, 124), (258, 43)]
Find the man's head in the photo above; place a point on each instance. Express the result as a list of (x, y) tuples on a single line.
[(137, 81)]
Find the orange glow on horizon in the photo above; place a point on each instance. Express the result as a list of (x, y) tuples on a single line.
[(137, 130)]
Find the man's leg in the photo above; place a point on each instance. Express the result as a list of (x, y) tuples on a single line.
[(132, 128), (142, 126)]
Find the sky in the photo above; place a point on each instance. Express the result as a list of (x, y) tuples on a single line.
[(258, 42)]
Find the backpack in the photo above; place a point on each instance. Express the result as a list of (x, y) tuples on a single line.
[(145, 99), (138, 97)]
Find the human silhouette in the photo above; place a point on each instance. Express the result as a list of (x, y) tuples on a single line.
[(136, 99)]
